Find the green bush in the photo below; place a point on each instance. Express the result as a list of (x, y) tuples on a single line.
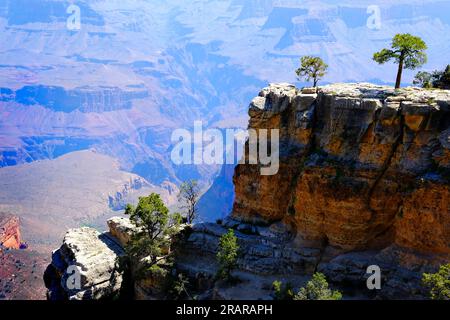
[(438, 283), (282, 292), (317, 289), (227, 255)]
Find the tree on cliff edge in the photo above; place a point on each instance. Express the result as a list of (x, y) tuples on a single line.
[(150, 243), (408, 52), (311, 68), (188, 197)]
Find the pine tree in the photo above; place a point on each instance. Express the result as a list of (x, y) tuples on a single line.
[(227, 255), (408, 52), (155, 227), (311, 68)]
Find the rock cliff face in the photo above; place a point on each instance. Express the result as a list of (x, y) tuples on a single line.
[(361, 167), (9, 231), (363, 180)]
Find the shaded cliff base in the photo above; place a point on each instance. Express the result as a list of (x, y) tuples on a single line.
[(267, 253)]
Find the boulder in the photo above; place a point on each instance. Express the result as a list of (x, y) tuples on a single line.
[(85, 267)]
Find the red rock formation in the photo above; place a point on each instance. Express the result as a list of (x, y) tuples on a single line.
[(9, 231)]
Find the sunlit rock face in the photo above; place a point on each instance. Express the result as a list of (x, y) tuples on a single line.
[(9, 231), (363, 181), (361, 167), (85, 267)]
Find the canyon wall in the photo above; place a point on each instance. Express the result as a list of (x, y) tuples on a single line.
[(361, 167), (364, 180)]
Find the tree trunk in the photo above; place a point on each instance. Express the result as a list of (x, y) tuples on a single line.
[(400, 71), (315, 83)]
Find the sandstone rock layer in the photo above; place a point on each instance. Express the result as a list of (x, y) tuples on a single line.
[(361, 167)]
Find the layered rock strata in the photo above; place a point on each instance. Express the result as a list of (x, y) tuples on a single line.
[(9, 231), (362, 167), (363, 180)]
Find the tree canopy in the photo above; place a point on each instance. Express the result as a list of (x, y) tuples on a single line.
[(438, 283), (407, 51), (435, 79), (311, 68), (317, 289), (155, 227)]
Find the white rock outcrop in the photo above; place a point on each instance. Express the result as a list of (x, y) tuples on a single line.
[(86, 266)]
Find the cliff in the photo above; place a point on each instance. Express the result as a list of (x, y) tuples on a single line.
[(361, 167), (9, 231), (364, 179)]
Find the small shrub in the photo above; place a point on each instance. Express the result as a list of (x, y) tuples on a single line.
[(227, 255), (438, 283), (179, 287), (282, 292), (317, 289)]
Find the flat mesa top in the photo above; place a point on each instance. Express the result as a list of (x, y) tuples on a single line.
[(368, 90)]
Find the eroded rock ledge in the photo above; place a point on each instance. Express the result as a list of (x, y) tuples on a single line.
[(363, 180), (362, 166)]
